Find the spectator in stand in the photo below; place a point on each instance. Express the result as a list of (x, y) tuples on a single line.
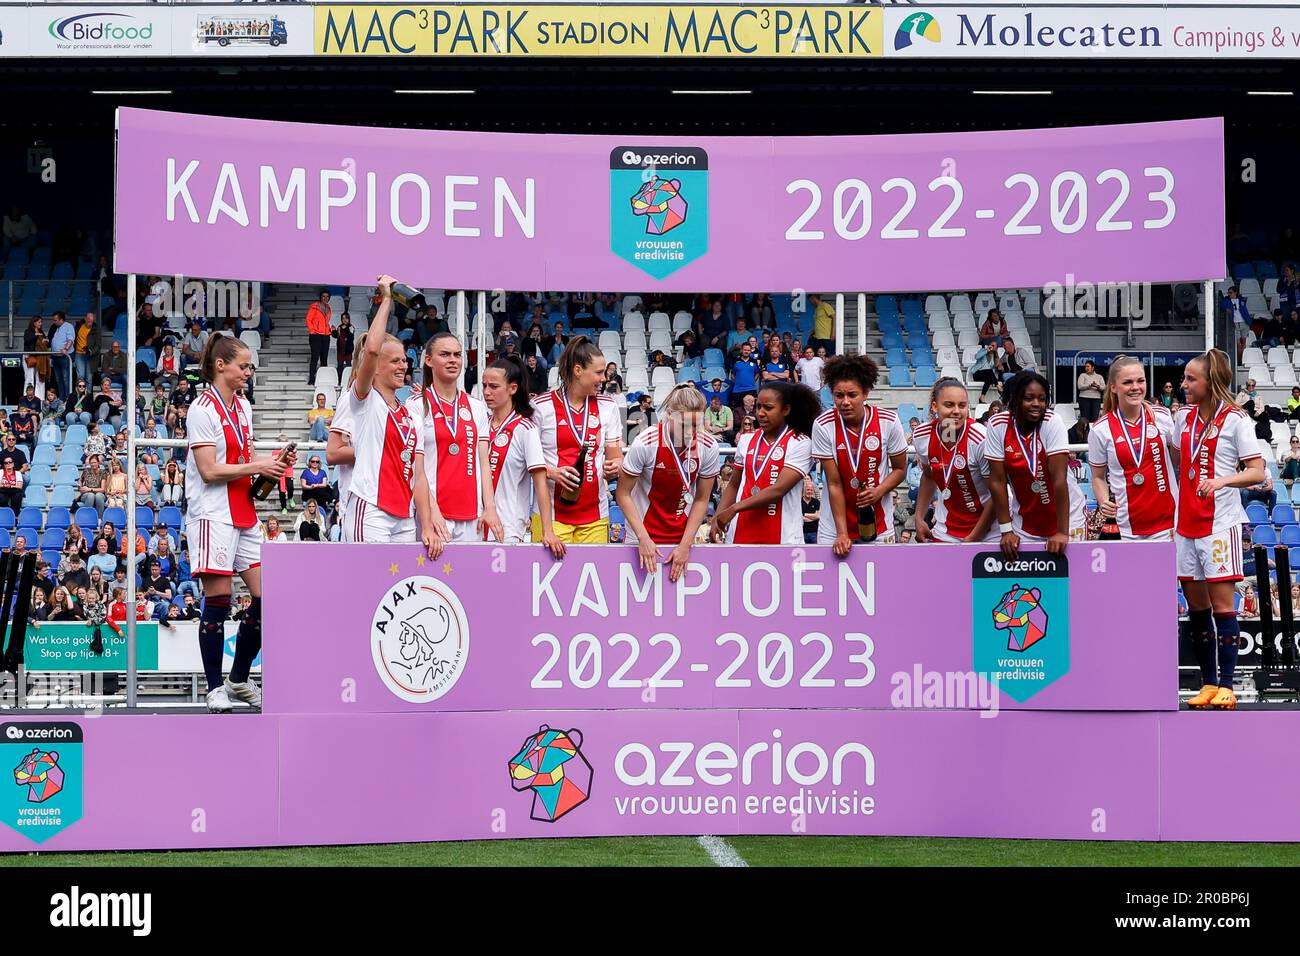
[(108, 403), (714, 329), (1290, 326), (19, 230), (87, 348), (1291, 463), (63, 340), (659, 359), (535, 376), (113, 364), (719, 421), (193, 342), (748, 407), (61, 607), (30, 400), (91, 487), (143, 485), (319, 418), (149, 455), (79, 407), (1167, 397), (776, 365), (810, 369), (692, 350), (75, 540), (189, 610), (318, 334), (762, 315), (162, 536), (39, 609), (103, 559), (611, 378), (272, 530), (169, 366), (310, 525), (554, 345), (993, 328), (11, 486), (1090, 386), (141, 549), (1235, 308), (1078, 432), (1264, 491), (1293, 404), (823, 323), (286, 487), (163, 557), (1016, 360), (179, 455), (1288, 289), (22, 428), (11, 450), (156, 587), (35, 330), (115, 484), (641, 417), (72, 570), (316, 483), (744, 375), (157, 404), (346, 336), (98, 583), (716, 388), (737, 338), (993, 409), (812, 511), (96, 444), (38, 370)]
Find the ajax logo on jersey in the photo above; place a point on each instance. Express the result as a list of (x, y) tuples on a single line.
[(419, 639)]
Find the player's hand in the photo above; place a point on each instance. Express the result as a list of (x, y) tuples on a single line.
[(843, 544), (1208, 487), (440, 527), (385, 284), (611, 469), (1057, 542), (867, 497), (490, 521), (432, 542), (1010, 545), (553, 544), (648, 554), (567, 478), (720, 521), (292, 458), (922, 528), (272, 468), (677, 561), (1109, 510)]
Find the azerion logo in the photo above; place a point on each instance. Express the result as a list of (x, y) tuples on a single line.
[(659, 206), (419, 639), (46, 791), (551, 765), (1013, 603), (916, 26), (102, 29)]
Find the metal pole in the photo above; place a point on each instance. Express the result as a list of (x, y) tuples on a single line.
[(839, 324), (129, 543), (478, 345), (460, 332), (862, 323), (1210, 313), (11, 315)]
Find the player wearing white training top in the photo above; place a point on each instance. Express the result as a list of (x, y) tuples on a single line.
[(1133, 478), (667, 480), (221, 522), (388, 489), (763, 501)]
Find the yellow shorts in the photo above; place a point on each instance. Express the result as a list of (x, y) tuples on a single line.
[(597, 532)]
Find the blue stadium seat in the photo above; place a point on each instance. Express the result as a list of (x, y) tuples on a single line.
[(107, 430), (827, 399), (76, 434), (44, 455), (36, 496), (895, 357), (890, 323), (1257, 513), (5, 541), (69, 475), (1265, 534), (688, 373), (923, 358), (912, 308), (1291, 535), (1283, 515), (892, 340), (713, 371), (30, 518), (171, 516), (1089, 495), (713, 358), (63, 496), (54, 538), (52, 558), (87, 518), (40, 476), (900, 376), (887, 305), (145, 517), (154, 471), (62, 270), (1243, 270), (1295, 493), (925, 377), (116, 517), (8, 519), (73, 451), (907, 411), (58, 517)]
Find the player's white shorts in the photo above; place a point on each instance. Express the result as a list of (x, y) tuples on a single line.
[(372, 525), (884, 537), (464, 532), (220, 548), (1077, 533), (1158, 536), (1215, 557), (518, 532)]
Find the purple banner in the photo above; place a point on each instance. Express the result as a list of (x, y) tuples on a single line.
[(328, 204), (265, 780), (488, 628)]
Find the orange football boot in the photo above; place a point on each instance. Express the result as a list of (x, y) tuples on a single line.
[(1202, 699)]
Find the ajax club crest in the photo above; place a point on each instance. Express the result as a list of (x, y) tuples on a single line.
[(419, 639)]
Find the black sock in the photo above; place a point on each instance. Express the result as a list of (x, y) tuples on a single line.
[(1229, 630), (212, 636), (248, 642), (1200, 631)]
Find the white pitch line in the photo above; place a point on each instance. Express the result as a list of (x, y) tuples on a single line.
[(720, 851)]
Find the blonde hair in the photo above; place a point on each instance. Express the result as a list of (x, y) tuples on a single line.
[(684, 398), (1109, 402), (1218, 372)]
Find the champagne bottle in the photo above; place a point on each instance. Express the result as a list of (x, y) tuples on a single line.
[(1109, 528), (262, 485), (571, 497), (412, 298), (867, 524)]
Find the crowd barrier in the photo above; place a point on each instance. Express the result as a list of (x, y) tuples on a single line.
[(495, 693)]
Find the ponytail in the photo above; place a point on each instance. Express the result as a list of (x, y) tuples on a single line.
[(510, 367), (224, 347), (426, 367), (579, 353), (1218, 372)]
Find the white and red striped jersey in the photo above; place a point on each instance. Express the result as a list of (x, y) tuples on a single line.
[(229, 430), (880, 437), (1033, 508), (597, 424), (1211, 449), (1139, 473), (342, 423), (454, 477), (386, 441), (761, 463), (665, 481), (514, 453), (959, 473)]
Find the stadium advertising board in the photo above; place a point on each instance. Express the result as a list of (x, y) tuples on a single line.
[(486, 628), (294, 202)]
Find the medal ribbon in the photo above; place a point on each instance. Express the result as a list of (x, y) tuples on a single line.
[(453, 420), (855, 455), (583, 414), (688, 483), (1198, 442), (753, 455), (497, 456), (956, 450), (1139, 451), (230, 418), (1032, 460), (403, 425)]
